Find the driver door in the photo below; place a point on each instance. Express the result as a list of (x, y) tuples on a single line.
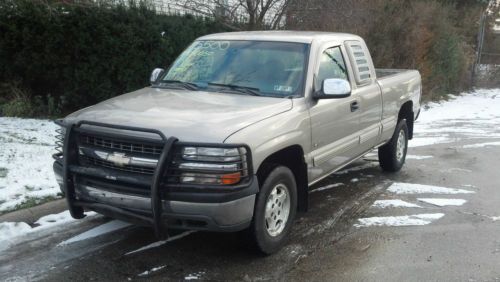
[(334, 122)]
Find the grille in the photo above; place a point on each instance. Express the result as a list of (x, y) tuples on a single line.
[(129, 168), (108, 145), (120, 145)]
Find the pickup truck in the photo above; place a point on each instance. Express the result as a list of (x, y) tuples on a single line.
[(234, 133)]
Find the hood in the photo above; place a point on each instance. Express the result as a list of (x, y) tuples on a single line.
[(191, 116)]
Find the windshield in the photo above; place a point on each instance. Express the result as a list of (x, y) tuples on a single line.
[(265, 68)]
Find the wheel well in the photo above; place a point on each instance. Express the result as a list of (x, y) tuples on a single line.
[(293, 158), (406, 112)]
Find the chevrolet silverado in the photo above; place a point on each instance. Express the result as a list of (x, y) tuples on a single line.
[(232, 135)]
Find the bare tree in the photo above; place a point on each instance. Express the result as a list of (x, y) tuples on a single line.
[(252, 14)]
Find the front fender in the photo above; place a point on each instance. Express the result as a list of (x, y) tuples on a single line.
[(276, 133)]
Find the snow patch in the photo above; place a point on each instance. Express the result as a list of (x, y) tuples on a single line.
[(26, 161), (194, 276), (354, 180), (415, 157), (455, 169), (331, 186), (470, 115), (154, 269), (443, 202), (419, 142), (393, 204), (53, 220), (160, 243), (408, 188), (97, 231), (481, 145), (11, 231), (405, 220)]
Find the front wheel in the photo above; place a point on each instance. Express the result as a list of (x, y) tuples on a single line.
[(392, 155), (275, 210)]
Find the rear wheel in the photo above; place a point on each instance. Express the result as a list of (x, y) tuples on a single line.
[(392, 155), (275, 210)]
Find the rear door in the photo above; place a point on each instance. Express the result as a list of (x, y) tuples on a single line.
[(334, 123), (368, 95)]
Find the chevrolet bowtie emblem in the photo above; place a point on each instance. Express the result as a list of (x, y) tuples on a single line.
[(119, 159)]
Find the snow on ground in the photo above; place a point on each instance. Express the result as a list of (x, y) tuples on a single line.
[(482, 145), (11, 231), (443, 202), (154, 269), (393, 204), (404, 220), (160, 243), (409, 188), (194, 276), (26, 161), (97, 231), (468, 116), (327, 187), (415, 157)]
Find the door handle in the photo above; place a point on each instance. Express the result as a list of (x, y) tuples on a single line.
[(354, 106)]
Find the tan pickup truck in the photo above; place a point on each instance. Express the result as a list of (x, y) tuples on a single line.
[(232, 135)]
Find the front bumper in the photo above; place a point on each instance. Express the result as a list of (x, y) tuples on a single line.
[(115, 194), (224, 212), (233, 215)]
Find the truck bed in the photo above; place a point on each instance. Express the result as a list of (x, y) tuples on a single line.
[(383, 73), (397, 85)]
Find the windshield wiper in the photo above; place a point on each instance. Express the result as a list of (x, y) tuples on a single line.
[(186, 85), (242, 89)]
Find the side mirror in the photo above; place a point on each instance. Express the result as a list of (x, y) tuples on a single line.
[(334, 88), (155, 74)]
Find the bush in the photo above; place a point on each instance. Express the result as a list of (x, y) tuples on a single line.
[(15, 101), (69, 56)]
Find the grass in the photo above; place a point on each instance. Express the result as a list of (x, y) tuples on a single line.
[(30, 202)]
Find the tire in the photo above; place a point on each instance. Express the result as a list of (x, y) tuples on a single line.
[(391, 156), (267, 234)]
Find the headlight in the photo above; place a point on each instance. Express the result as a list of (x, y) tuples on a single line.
[(211, 154), (210, 165)]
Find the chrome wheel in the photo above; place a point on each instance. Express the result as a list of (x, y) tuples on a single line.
[(400, 146), (277, 210)]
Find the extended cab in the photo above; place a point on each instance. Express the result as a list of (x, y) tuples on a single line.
[(235, 132)]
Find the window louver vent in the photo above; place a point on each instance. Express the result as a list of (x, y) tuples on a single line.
[(361, 67)]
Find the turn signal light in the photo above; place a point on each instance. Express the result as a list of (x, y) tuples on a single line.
[(229, 179)]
